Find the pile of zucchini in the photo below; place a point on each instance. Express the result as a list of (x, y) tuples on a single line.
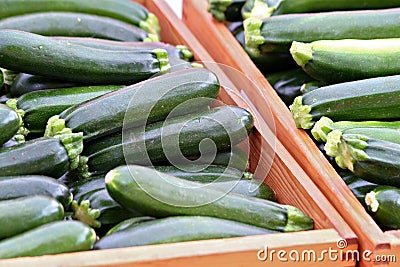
[(345, 88), (111, 138)]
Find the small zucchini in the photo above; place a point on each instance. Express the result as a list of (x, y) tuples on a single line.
[(282, 30), (372, 159), (125, 10), (30, 185), (188, 89), (159, 194), (335, 61), (369, 99), (384, 205), (224, 10), (50, 238), (22, 214), (10, 123), (77, 24), (29, 53), (225, 126), (177, 229)]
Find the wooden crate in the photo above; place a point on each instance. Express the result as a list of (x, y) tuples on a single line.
[(222, 46), (283, 174)]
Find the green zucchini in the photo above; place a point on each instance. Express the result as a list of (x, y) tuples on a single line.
[(128, 223), (25, 83), (372, 159), (124, 10), (359, 187), (159, 194), (29, 185), (384, 205), (325, 125), (10, 123), (369, 99), (25, 213), (185, 91), (51, 238), (39, 106), (177, 229), (29, 53), (233, 157), (224, 10), (284, 29), (42, 156), (77, 25), (81, 187), (168, 140), (266, 8), (335, 61)]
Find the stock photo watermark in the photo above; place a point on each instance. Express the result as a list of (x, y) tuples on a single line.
[(339, 253)]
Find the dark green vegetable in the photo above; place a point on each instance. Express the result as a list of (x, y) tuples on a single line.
[(10, 123), (51, 238), (224, 10), (159, 194), (84, 186), (25, 213), (128, 223), (359, 187), (177, 229)]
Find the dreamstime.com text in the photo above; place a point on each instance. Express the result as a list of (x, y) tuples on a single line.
[(339, 253)]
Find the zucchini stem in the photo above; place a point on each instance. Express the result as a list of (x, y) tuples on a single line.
[(85, 214), (185, 51), (301, 113), (162, 56), (297, 220), (252, 35), (22, 131), (151, 25), (301, 53), (217, 8), (371, 201), (260, 10), (322, 128)]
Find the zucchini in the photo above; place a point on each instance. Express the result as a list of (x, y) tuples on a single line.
[(43, 156), (177, 229), (226, 10), (265, 8), (128, 223), (39, 106), (29, 53), (81, 187), (168, 140), (384, 206), (310, 86), (25, 83), (282, 30), (335, 61), (124, 10), (29, 185), (372, 159), (25, 213), (51, 238), (325, 125), (77, 25), (369, 99), (233, 157), (102, 116), (159, 194), (359, 187), (10, 123)]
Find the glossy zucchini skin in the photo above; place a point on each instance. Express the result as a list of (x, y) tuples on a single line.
[(39, 106), (124, 10), (101, 116), (51, 238), (226, 126), (359, 187), (25, 213), (29, 185), (42, 156), (75, 24), (25, 83), (9, 123), (368, 99), (177, 229), (147, 191), (84, 186), (41, 55)]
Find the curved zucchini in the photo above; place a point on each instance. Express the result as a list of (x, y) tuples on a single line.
[(29, 185), (77, 25), (369, 99), (190, 89), (39, 106), (159, 194), (25, 213), (335, 61), (177, 229), (30, 53), (124, 10), (282, 30), (384, 205), (10, 123), (225, 126), (223, 10), (51, 238)]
